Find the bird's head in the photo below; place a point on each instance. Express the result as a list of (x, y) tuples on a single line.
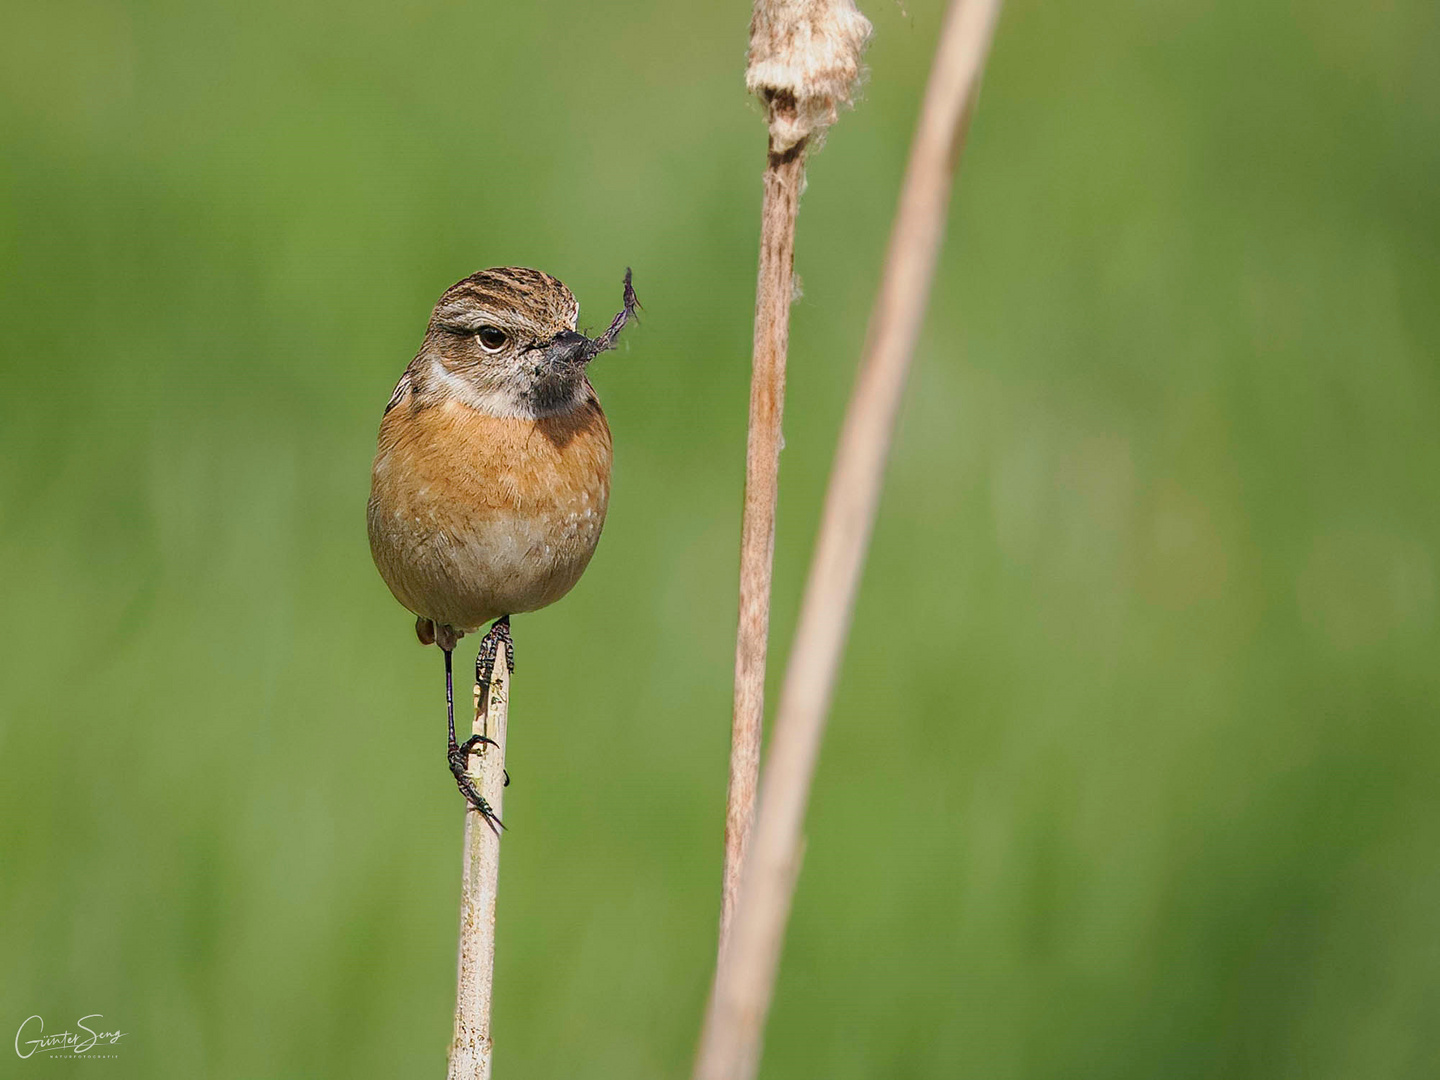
[(504, 340)]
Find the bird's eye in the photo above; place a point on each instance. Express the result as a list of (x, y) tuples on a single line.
[(492, 338)]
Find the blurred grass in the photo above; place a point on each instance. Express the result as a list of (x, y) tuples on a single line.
[(1132, 772)]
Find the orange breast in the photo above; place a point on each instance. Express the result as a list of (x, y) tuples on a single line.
[(475, 516)]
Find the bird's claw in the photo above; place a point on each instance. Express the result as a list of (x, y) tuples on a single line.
[(459, 762), (498, 634)]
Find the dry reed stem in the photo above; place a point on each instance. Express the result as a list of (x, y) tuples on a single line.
[(471, 1051), (804, 58), (784, 177), (745, 978)]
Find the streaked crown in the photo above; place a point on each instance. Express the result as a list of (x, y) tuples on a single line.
[(529, 303)]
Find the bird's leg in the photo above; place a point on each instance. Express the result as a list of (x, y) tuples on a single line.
[(485, 670), (459, 756)]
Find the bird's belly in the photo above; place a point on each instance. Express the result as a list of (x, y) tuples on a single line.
[(483, 566), (471, 519)]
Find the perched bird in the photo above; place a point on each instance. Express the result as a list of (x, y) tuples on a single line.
[(492, 475)]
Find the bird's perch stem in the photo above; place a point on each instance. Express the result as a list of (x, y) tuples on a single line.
[(784, 176), (471, 1051), (745, 975)]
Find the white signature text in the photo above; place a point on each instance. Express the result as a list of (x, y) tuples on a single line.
[(31, 1039)]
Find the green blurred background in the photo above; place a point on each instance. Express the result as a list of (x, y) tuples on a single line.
[(1133, 768)]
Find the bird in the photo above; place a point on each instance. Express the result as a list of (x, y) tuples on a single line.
[(491, 477)]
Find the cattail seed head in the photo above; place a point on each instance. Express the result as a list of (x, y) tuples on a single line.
[(804, 63)]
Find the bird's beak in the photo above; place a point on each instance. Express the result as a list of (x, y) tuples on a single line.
[(567, 349)]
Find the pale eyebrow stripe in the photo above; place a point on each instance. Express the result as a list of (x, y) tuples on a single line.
[(467, 318)]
